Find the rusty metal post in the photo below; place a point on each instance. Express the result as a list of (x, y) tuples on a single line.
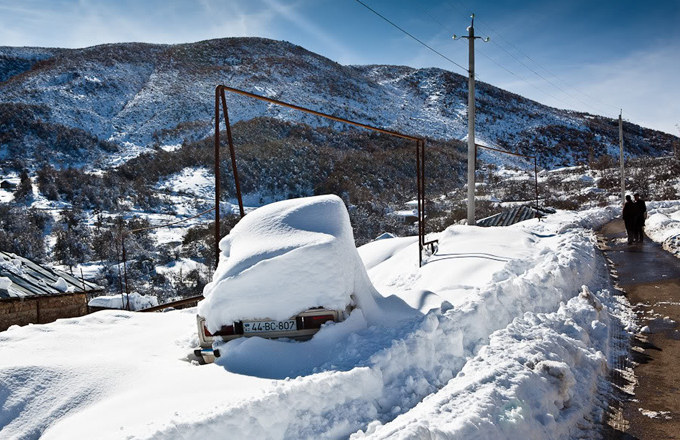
[(420, 220), (233, 153), (127, 290), (422, 191), (217, 175), (120, 275), (420, 154), (536, 175)]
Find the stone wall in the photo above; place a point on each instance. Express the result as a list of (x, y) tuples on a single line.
[(41, 310), (17, 311)]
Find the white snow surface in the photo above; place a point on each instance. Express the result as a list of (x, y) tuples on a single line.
[(60, 285), (5, 283), (199, 182), (663, 224), (509, 337), (137, 301)]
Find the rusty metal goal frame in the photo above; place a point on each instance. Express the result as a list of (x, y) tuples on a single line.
[(220, 98)]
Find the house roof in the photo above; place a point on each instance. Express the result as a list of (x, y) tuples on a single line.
[(29, 279), (515, 215), (406, 213)]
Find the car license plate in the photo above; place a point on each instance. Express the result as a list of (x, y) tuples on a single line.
[(269, 326)]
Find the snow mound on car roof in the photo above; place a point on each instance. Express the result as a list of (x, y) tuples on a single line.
[(287, 257)]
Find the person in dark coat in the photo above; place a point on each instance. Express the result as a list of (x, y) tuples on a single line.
[(642, 214), (630, 219)]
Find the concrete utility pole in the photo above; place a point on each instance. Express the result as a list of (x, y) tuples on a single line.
[(472, 150), (623, 177)]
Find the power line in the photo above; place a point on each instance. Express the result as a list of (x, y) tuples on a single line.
[(545, 69), (531, 69), (491, 59), (539, 65), (433, 50)]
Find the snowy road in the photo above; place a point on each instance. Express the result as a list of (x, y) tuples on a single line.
[(504, 343)]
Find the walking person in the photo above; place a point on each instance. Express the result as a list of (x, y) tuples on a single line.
[(641, 216), (630, 219)]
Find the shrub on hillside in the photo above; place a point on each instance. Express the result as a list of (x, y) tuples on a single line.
[(22, 231)]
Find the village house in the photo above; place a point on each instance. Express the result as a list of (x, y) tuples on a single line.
[(6, 184), (32, 293), (408, 216)]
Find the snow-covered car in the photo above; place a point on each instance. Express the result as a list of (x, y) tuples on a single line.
[(285, 270)]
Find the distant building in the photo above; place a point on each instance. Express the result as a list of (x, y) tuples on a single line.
[(514, 215), (384, 236), (31, 293), (408, 216), (5, 184)]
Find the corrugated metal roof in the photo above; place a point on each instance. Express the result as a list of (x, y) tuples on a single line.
[(30, 279), (514, 215)]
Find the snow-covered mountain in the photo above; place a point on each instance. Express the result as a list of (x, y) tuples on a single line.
[(137, 95)]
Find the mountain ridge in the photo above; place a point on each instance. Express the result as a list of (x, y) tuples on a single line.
[(137, 95)]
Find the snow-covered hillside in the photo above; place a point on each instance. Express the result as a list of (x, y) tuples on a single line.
[(509, 338), (138, 94)]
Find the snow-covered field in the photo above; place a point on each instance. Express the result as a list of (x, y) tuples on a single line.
[(507, 335)]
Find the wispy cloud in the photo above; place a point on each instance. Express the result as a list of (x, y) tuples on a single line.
[(320, 38), (642, 83), (80, 23)]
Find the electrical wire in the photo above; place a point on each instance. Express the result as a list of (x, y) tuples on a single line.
[(491, 59), (450, 3), (544, 68), (419, 41)]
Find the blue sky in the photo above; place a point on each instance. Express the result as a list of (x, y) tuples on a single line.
[(595, 56)]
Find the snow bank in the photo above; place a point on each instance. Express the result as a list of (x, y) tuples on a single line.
[(380, 250), (537, 378), (663, 224), (562, 221), (286, 257), (137, 301)]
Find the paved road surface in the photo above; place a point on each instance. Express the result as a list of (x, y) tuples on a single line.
[(650, 276)]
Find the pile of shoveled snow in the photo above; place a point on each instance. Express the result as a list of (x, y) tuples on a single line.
[(663, 224), (137, 301), (285, 258), (537, 378)]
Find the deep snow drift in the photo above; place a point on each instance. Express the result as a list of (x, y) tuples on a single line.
[(663, 225), (505, 343)]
